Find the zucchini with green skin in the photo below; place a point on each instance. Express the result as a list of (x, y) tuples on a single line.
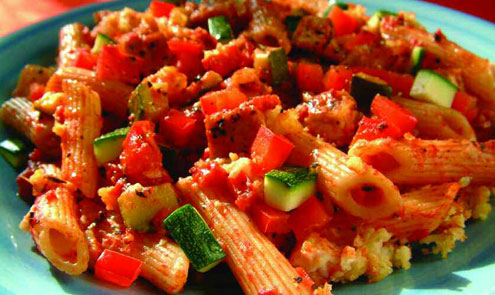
[(287, 188), (193, 235), (417, 56), (431, 87), (279, 67), (365, 87), (108, 147), (100, 41), (147, 103), (14, 151), (220, 29), (138, 205)]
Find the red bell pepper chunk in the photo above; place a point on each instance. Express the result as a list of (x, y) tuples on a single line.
[(466, 104), (310, 77), (270, 220), (114, 65), (177, 128), (159, 8), (362, 38), (343, 23), (270, 150), (117, 268), (373, 128), (84, 59), (190, 47), (226, 99), (210, 175), (141, 158), (393, 113), (235, 55), (338, 78), (36, 91), (309, 216), (189, 54)]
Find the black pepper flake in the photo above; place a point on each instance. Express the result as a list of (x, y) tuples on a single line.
[(424, 150), (236, 117), (382, 126), (132, 58), (117, 232), (314, 287), (152, 45), (298, 280), (437, 60), (438, 37), (367, 188), (142, 53), (140, 194), (319, 196), (353, 228)]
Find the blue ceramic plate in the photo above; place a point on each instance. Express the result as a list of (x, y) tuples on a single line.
[(468, 270)]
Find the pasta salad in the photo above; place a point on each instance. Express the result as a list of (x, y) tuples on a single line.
[(304, 143)]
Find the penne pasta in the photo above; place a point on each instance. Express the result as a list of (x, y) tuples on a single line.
[(417, 161), (254, 260), (32, 74), (78, 128), (266, 27), (18, 113), (437, 122), (355, 186), (424, 210), (54, 225), (114, 95), (71, 37)]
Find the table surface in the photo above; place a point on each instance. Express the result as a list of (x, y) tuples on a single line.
[(15, 14)]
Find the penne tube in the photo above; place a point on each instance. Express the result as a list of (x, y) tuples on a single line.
[(114, 95), (18, 113), (54, 225), (72, 37), (437, 122), (353, 185), (266, 27), (78, 127), (254, 260), (417, 161), (424, 210), (32, 74)]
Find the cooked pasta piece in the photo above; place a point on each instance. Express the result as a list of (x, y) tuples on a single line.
[(72, 37), (54, 225), (114, 95), (437, 122), (417, 161), (266, 27), (78, 127), (424, 210), (254, 260), (353, 185), (18, 113), (32, 74), (477, 72)]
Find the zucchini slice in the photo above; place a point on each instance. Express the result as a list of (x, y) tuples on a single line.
[(190, 231), (220, 29), (109, 146), (14, 151), (431, 87), (365, 87), (287, 188), (374, 21), (417, 56), (278, 66), (100, 41)]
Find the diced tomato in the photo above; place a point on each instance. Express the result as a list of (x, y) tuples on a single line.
[(189, 54), (338, 78), (265, 102), (466, 104), (177, 128), (114, 65), (117, 268), (226, 99), (270, 150), (270, 220), (84, 59), (361, 38), (36, 91), (210, 175), (141, 159), (307, 217), (373, 128), (228, 58), (393, 113), (343, 23), (310, 77), (161, 8)]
